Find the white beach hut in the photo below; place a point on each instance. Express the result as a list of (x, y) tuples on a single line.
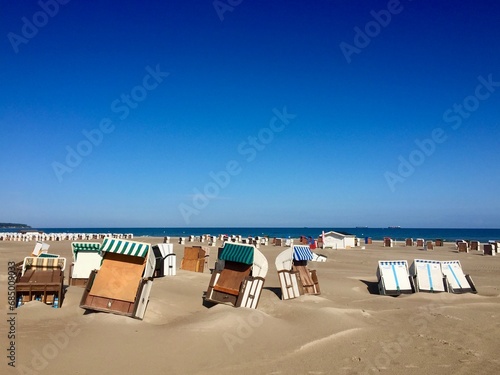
[(338, 240)]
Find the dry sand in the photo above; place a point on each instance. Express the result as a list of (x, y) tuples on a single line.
[(349, 329)]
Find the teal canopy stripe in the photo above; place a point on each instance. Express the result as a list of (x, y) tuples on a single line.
[(131, 248), (86, 246), (237, 253)]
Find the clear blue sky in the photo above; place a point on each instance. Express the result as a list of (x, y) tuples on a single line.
[(310, 113)]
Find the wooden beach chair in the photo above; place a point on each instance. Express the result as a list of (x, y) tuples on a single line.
[(166, 260), (42, 279), (462, 247), (488, 249), (388, 242), (457, 281), (429, 246), (475, 246), (420, 242), (394, 278), (409, 242), (86, 258), (195, 258), (123, 283), (295, 277), (428, 276), (242, 277), (439, 242)]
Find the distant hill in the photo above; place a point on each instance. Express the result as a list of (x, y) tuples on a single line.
[(13, 225)]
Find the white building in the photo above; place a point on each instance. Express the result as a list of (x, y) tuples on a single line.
[(337, 240)]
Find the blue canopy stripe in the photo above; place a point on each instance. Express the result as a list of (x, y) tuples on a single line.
[(302, 253)]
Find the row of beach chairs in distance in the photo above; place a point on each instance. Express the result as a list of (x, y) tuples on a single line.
[(462, 246), (117, 275), (395, 278), (37, 236)]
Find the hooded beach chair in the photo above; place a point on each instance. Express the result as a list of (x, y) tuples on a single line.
[(429, 246), (239, 276), (489, 249), (318, 257), (475, 245), (409, 242), (86, 258), (462, 246), (388, 242), (457, 281), (195, 258), (420, 242), (166, 260), (295, 277), (42, 279), (394, 278), (428, 276), (40, 248), (123, 283)]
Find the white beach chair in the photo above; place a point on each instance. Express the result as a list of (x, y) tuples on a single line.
[(318, 257), (40, 248), (166, 260), (394, 278), (428, 276), (457, 281), (86, 258)]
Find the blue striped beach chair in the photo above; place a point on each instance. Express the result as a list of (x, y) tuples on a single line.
[(239, 277), (295, 277), (457, 281), (428, 276), (394, 278), (123, 283)]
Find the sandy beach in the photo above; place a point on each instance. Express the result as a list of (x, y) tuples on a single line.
[(348, 329)]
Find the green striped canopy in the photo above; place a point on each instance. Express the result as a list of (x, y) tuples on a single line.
[(136, 249), (237, 253), (86, 246)]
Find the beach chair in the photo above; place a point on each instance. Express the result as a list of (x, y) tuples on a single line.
[(295, 277), (42, 279), (242, 277), (40, 248), (86, 258), (388, 242), (488, 249), (428, 276), (166, 260), (318, 257), (195, 258), (409, 242), (439, 242), (475, 246), (463, 247), (429, 246), (457, 281), (123, 283), (394, 278), (420, 242)]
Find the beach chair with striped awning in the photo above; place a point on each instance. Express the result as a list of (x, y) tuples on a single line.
[(394, 278), (42, 279), (295, 277), (239, 277), (86, 258), (123, 283), (428, 276), (457, 281)]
